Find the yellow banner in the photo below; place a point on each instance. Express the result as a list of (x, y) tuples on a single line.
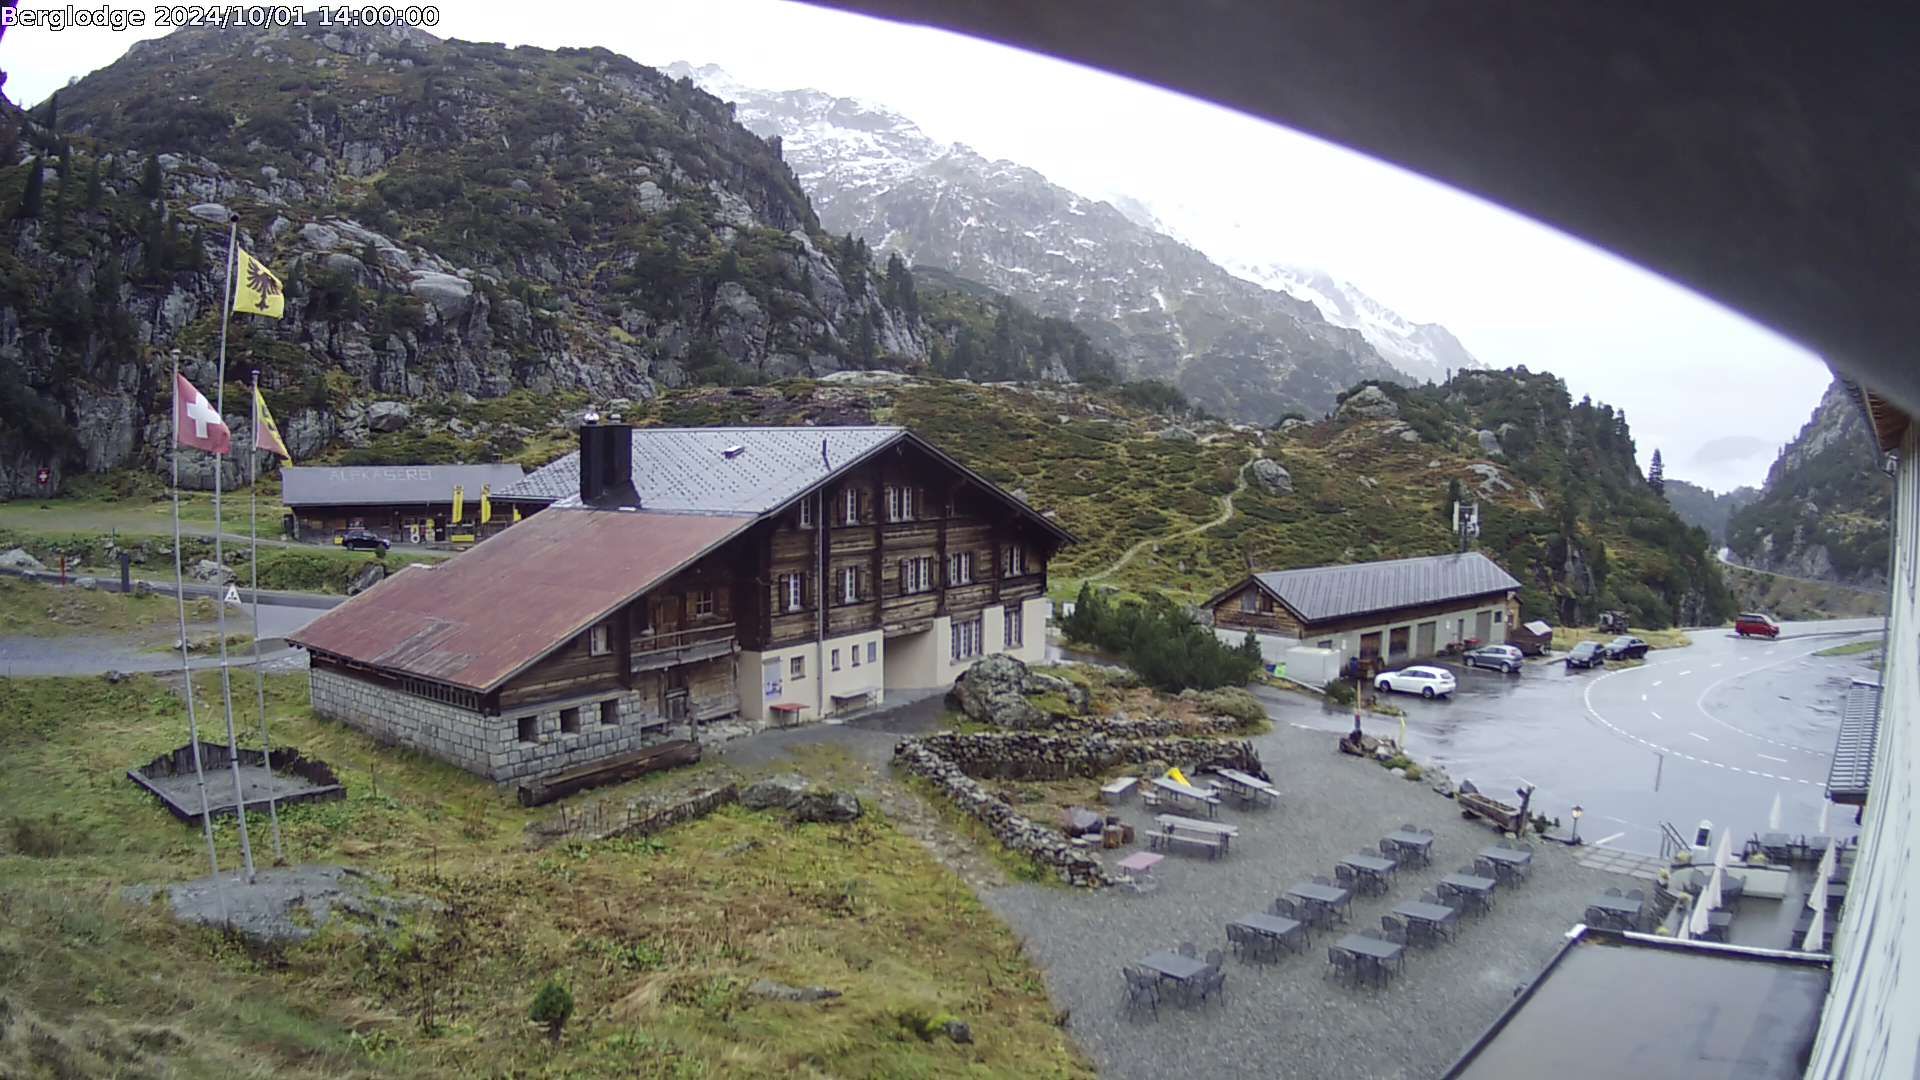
[(266, 433), (255, 290), (1174, 774), (459, 503), (486, 503)]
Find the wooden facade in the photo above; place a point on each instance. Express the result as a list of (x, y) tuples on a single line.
[(1270, 616)]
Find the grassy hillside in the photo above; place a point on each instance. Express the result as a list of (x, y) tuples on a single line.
[(657, 939)]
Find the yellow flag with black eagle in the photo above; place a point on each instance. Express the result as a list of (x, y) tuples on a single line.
[(266, 433), (256, 291)]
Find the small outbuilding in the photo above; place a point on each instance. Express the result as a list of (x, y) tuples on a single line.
[(1394, 611), (405, 504)]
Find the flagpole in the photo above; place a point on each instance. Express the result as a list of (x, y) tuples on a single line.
[(260, 676), (226, 680), (186, 669)]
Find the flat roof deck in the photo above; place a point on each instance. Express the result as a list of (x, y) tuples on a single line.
[(1626, 1005)]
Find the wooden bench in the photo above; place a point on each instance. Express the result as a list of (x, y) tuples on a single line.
[(1118, 790)]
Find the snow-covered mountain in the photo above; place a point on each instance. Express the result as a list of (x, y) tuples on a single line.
[(1165, 309), (1426, 351)]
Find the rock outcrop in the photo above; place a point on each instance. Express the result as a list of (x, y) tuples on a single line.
[(1272, 476), (997, 690), (1368, 403)]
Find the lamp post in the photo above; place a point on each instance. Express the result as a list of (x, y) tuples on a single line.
[(1578, 812)]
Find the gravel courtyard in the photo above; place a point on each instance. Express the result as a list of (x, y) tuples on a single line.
[(1289, 1018)]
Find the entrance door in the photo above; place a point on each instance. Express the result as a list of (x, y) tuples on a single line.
[(1397, 643), (1370, 644), (1423, 638), (673, 694), (1483, 626)]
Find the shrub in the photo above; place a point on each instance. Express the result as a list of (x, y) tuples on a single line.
[(552, 1006), (1340, 692), (1160, 641)]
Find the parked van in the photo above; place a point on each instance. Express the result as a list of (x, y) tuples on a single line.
[(1755, 624)]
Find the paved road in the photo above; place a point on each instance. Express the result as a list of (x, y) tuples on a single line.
[(86, 655), (1724, 724)]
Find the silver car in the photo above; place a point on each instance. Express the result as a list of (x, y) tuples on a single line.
[(1495, 657)]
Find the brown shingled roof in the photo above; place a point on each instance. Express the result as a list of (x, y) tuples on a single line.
[(480, 619)]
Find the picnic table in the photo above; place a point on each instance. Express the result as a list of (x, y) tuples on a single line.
[(1210, 834), (1372, 867), (1473, 885), (1438, 918), (1323, 900), (1249, 788), (1140, 862), (1418, 844), (1172, 965), (1208, 799), (1290, 932)]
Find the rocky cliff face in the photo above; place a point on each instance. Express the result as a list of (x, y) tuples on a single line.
[(1162, 308), (1427, 352), (1823, 511), (451, 220), (1708, 509)]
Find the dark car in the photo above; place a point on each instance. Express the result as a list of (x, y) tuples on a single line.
[(1587, 654), (1626, 647), (1495, 657), (362, 540)]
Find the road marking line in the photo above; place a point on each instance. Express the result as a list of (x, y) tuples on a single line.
[(1643, 697), (1608, 840), (1656, 715), (1688, 672), (1657, 682), (1699, 736), (1713, 665), (1770, 757)]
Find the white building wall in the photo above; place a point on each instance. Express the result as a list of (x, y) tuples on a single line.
[(1870, 1028)]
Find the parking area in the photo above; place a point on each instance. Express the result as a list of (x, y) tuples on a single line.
[(1710, 731)]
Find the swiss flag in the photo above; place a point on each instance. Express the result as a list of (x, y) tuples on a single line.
[(195, 422)]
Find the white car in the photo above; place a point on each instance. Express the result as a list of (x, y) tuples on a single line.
[(1428, 682)]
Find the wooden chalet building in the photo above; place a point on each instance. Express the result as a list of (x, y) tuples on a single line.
[(406, 504), (687, 575), (1394, 611)]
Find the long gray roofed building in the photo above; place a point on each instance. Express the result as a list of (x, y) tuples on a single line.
[(1317, 593)]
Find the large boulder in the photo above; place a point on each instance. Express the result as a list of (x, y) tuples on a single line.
[(1369, 403), (366, 578), (800, 799), (833, 807), (994, 691), (1273, 476), (388, 415), (1176, 433), (210, 571), (18, 559), (1489, 443)]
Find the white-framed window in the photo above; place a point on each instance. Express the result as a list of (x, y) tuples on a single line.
[(916, 575), (960, 568), (1013, 561), (600, 640), (836, 659), (806, 513), (703, 602), (873, 652), (966, 638), (793, 592), (1499, 615), (852, 510), (797, 668), (1016, 632), (856, 655), (849, 585), (1250, 601), (899, 503)]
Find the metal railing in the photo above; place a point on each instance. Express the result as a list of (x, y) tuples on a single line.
[(1671, 842)]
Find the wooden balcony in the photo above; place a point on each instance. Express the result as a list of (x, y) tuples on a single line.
[(651, 652)]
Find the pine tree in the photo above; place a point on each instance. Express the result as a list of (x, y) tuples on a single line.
[(900, 284), (53, 113), (150, 181), (96, 186), (1657, 476), (729, 267), (30, 198)]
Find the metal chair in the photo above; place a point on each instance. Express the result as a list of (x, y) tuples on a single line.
[(1215, 957), (1346, 877), (1487, 868), (1187, 949), (1340, 963), (1321, 879), (1284, 907), (1395, 930), (1237, 939), (1143, 989), (1392, 852), (1429, 897), (1211, 982), (1407, 827)]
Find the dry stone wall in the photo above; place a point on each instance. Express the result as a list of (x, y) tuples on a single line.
[(1019, 833)]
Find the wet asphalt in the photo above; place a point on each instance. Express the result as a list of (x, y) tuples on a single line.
[(1711, 731), (90, 655)]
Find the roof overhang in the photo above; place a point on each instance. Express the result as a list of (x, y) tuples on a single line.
[(1654, 1008), (1884, 419)]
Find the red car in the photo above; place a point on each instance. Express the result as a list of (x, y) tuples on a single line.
[(1755, 624)]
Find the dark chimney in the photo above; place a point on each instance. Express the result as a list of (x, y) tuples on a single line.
[(606, 463)]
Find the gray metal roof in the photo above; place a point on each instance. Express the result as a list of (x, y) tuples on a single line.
[(1318, 593), (330, 485), (1851, 771), (688, 470)]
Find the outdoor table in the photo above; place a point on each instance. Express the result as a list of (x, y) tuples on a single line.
[(1777, 845), (1380, 951), (1805, 921), (1732, 889), (1277, 927), (1171, 965), (1175, 822), (1251, 786), (1718, 920), (1508, 858), (1323, 898), (1628, 910), (1185, 791), (1437, 916), (1480, 888), (1815, 845), (1140, 862), (1418, 843), (1372, 867)]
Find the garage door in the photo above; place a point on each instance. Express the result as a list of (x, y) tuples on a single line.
[(1483, 626), (1423, 639), (1397, 643)]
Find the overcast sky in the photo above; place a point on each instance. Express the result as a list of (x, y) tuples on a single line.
[(1716, 393)]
